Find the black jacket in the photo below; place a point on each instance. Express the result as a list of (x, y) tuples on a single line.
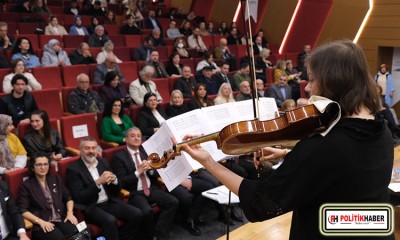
[(185, 87), (147, 122), (34, 142), (76, 58), (29, 105), (79, 102), (10, 211)]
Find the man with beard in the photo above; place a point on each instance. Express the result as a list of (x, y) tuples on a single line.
[(94, 187)]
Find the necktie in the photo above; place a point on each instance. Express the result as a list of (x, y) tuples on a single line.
[(146, 189)]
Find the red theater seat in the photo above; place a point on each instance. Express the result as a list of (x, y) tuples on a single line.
[(163, 88), (129, 70), (69, 74), (49, 77), (49, 100)]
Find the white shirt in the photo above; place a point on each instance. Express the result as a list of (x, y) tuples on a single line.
[(158, 116), (3, 225), (139, 185)]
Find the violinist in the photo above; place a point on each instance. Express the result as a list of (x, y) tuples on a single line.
[(322, 169)]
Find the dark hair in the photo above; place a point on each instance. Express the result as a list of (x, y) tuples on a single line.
[(109, 77), (196, 97), (52, 17), (32, 162), (244, 65), (14, 64), (18, 77), (341, 73), (173, 54), (109, 105), (207, 55), (147, 96), (46, 126), (16, 48)]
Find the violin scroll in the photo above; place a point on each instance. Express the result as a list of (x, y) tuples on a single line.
[(156, 162)]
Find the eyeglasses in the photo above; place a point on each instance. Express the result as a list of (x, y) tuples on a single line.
[(41, 165)]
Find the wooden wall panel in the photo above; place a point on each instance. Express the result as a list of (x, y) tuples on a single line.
[(184, 4), (224, 10)]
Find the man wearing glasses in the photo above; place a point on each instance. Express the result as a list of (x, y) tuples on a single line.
[(110, 64)]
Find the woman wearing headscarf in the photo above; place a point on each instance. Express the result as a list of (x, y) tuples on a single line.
[(53, 55), (12, 152), (78, 28)]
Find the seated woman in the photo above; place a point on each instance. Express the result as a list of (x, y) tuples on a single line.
[(42, 138), (115, 122), (176, 105), (200, 98), (78, 28), (173, 31), (137, 15), (288, 105), (106, 50), (46, 202), (110, 18), (208, 60), (174, 68), (151, 116), (223, 29), (112, 88), (293, 79), (39, 6), (12, 153), (18, 67), (180, 47), (23, 50), (262, 64), (53, 55), (54, 28), (224, 94)]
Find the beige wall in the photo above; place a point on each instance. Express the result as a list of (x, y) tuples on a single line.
[(224, 10), (185, 4)]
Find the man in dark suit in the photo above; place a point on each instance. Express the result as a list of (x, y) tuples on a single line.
[(12, 225), (110, 64), (152, 22), (186, 83), (223, 77), (94, 188), (136, 175), (142, 52), (280, 91)]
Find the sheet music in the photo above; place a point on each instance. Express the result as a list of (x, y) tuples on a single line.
[(268, 108)]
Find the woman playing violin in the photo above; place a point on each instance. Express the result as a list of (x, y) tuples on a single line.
[(351, 163)]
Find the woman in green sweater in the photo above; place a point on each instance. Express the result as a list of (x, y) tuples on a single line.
[(115, 122)]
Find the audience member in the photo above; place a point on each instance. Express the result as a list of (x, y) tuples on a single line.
[(151, 116), (110, 18), (42, 138), (142, 52), (20, 103), (96, 10), (13, 223), (288, 105), (301, 60), (173, 32), (156, 38), (385, 113), (83, 99), (210, 28), (242, 75), (180, 47), (223, 29), (234, 38), (301, 102), (257, 46), (132, 169), (93, 185), (176, 104), (72, 8), (222, 52), (212, 85), (39, 6), (77, 28), (208, 60), (200, 98), (152, 22), (12, 153), (115, 122), (22, 6), (260, 88), (82, 55), (203, 30), (245, 92), (186, 29), (106, 50), (94, 22), (279, 69), (385, 80), (130, 28), (196, 42), (114, 89), (280, 91), (110, 64), (143, 85), (18, 67), (136, 14), (293, 79), (260, 34), (6, 40), (174, 68), (223, 77), (262, 64), (225, 94), (159, 69), (23, 50), (98, 38), (54, 28), (53, 55), (186, 84)]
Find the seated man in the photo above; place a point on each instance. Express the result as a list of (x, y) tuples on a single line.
[(93, 186), (159, 68), (222, 52), (157, 38), (143, 85), (6, 41), (223, 77), (142, 52), (20, 103), (242, 75), (98, 38), (196, 42), (245, 92), (83, 99), (152, 22), (12, 227), (280, 91), (131, 167), (205, 77), (130, 27), (82, 55), (110, 64), (186, 83)]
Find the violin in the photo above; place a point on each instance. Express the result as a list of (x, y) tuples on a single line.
[(248, 136)]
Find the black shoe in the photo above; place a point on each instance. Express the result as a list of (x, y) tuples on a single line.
[(223, 217), (191, 227), (235, 216), (201, 221)]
